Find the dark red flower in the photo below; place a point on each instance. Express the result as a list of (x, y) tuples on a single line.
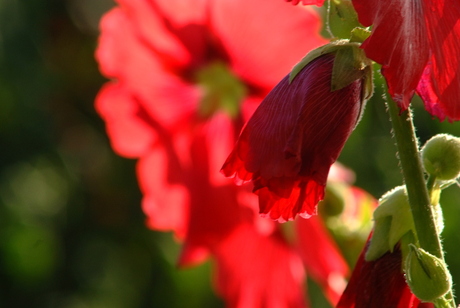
[(417, 43), (295, 135), (379, 284)]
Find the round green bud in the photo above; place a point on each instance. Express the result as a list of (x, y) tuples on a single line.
[(441, 157), (426, 275)]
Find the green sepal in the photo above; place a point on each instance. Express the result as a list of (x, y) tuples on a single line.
[(392, 219), (350, 64), (379, 241), (426, 275), (312, 55), (359, 35)]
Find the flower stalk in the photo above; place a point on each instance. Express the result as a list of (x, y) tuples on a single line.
[(414, 179)]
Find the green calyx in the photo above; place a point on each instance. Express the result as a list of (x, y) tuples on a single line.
[(392, 220), (359, 35), (350, 64), (426, 275), (222, 90)]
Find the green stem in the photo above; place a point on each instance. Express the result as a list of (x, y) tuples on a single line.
[(414, 179), (419, 198)]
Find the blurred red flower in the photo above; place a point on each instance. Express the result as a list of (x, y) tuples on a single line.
[(417, 43), (293, 138), (307, 2), (185, 76)]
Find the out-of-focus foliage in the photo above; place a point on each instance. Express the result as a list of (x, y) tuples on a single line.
[(72, 232), (71, 226)]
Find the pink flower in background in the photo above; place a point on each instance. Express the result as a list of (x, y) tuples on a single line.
[(185, 76)]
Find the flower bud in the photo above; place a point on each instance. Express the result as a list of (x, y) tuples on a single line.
[(441, 157), (288, 146), (426, 275)]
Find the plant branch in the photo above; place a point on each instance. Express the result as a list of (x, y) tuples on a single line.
[(419, 197)]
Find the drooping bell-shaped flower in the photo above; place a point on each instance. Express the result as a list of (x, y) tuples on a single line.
[(299, 130)]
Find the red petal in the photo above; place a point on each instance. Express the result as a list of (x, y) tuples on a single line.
[(307, 2), (302, 200), (322, 258), (173, 29), (214, 209), (165, 202), (256, 270), (262, 52), (123, 55), (440, 85), (399, 42), (130, 136), (219, 135), (417, 43)]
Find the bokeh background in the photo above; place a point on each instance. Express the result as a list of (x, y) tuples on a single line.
[(72, 232)]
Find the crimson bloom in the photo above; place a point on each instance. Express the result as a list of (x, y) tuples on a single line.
[(417, 43), (380, 284), (184, 77), (298, 131)]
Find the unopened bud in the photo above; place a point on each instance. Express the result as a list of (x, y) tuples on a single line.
[(426, 275), (441, 157)]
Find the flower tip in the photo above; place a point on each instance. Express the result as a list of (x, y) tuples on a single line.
[(274, 217), (235, 168), (306, 215), (280, 218)]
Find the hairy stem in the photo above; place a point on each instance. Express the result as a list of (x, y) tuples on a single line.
[(419, 198), (414, 179)]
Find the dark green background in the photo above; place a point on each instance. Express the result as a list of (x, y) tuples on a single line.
[(71, 227)]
